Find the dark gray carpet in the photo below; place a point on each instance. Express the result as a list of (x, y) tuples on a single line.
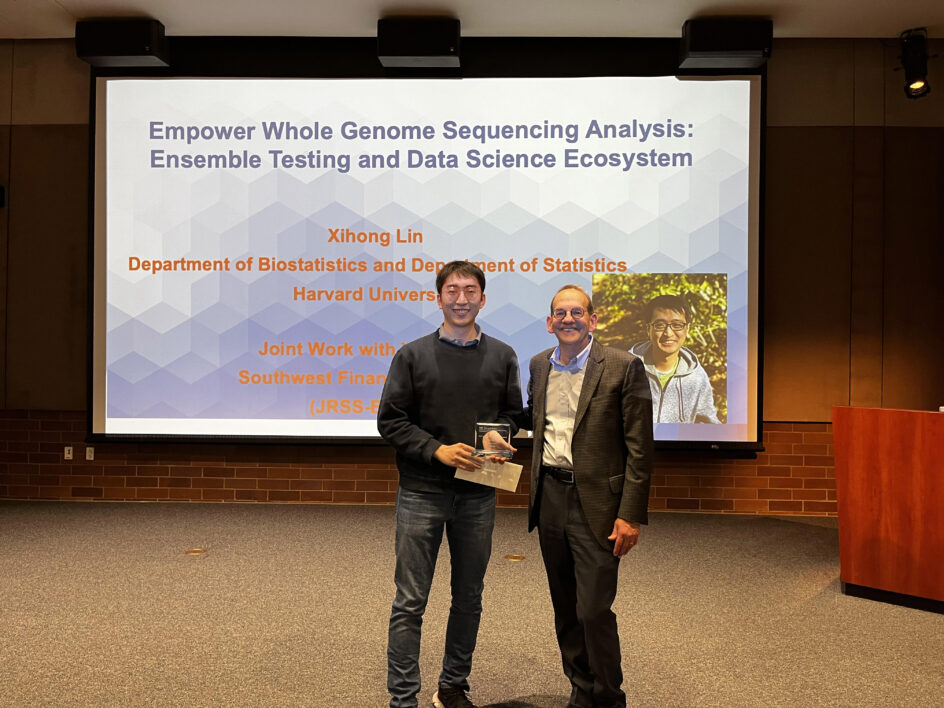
[(99, 606)]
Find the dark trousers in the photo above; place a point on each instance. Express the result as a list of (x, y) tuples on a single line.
[(582, 577)]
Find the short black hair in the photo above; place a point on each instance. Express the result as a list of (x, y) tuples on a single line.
[(578, 289), (459, 268), (676, 303)]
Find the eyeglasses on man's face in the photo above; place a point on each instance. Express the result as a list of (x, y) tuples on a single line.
[(471, 292), (575, 312), (674, 325)]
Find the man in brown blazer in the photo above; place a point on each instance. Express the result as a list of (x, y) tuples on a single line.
[(591, 412)]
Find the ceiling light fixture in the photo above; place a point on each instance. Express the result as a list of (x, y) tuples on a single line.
[(914, 60)]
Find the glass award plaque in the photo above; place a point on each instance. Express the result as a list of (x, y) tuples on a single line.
[(493, 439)]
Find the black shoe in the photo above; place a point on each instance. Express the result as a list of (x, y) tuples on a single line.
[(451, 697)]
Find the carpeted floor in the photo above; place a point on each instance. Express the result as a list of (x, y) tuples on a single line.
[(100, 606)]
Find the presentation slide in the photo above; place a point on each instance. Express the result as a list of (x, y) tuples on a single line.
[(264, 247)]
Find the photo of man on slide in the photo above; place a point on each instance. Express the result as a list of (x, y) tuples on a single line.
[(681, 391), (677, 323)]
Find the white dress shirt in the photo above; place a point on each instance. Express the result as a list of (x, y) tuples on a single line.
[(560, 407)]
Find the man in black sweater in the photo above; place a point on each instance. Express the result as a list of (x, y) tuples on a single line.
[(438, 387)]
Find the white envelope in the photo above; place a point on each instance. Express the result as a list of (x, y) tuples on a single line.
[(493, 474)]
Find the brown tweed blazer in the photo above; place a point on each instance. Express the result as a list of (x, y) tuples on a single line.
[(612, 444)]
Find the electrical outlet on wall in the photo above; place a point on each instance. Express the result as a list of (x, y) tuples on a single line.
[(67, 453), (90, 453)]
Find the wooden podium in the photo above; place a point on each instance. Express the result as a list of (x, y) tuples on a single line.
[(890, 494)]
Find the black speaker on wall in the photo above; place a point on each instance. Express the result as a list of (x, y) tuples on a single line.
[(122, 43), (725, 43), (418, 42)]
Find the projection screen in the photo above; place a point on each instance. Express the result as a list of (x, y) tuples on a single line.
[(262, 247)]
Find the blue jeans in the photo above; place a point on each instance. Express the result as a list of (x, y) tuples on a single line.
[(421, 516)]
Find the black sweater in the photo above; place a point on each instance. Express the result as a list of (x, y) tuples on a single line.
[(434, 394)]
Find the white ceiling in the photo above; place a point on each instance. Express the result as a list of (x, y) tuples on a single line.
[(38, 19)]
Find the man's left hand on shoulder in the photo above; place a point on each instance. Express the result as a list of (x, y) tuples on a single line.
[(625, 535)]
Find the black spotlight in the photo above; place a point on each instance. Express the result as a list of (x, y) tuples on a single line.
[(914, 60)]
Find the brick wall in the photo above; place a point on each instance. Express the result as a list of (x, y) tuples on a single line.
[(794, 475)]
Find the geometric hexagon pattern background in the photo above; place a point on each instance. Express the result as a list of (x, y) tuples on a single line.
[(179, 343)]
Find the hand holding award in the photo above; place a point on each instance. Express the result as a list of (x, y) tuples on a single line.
[(493, 441)]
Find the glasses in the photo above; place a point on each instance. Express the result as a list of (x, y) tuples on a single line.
[(660, 325), (452, 292), (575, 312)]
